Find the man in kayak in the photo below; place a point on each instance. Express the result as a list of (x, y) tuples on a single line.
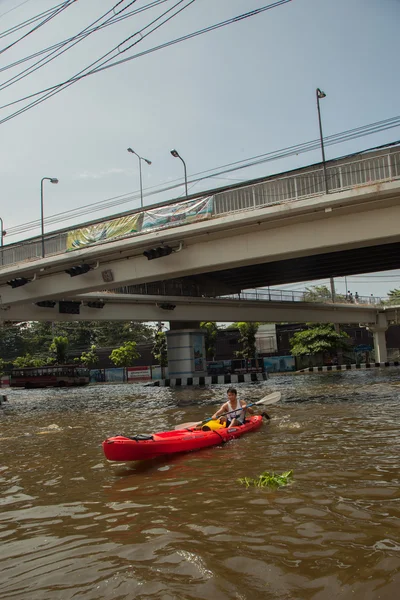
[(236, 409)]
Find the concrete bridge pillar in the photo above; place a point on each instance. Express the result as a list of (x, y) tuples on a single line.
[(186, 350), (379, 330)]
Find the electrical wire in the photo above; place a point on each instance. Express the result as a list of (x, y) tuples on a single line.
[(115, 20), (82, 35), (48, 92), (28, 22), (194, 34), (117, 48), (15, 7), (52, 15)]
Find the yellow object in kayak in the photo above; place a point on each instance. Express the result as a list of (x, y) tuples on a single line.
[(213, 425)]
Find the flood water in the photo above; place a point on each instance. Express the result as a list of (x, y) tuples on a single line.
[(73, 525)]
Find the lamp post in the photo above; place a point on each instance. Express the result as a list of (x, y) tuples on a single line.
[(2, 234), (52, 180), (176, 154), (140, 172), (320, 94)]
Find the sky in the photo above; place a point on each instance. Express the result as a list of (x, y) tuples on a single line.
[(225, 96)]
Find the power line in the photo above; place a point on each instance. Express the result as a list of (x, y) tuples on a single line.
[(27, 22), (82, 35), (375, 276), (52, 15), (117, 48), (15, 7), (115, 20), (49, 92), (194, 34)]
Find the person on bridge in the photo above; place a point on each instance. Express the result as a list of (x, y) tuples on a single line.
[(236, 409)]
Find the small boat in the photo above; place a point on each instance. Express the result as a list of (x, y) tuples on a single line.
[(143, 446)]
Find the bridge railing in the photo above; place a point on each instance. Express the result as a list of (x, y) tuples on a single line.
[(340, 177), (308, 182), (304, 296), (172, 288)]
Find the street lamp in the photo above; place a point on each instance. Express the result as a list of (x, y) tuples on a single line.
[(176, 154), (52, 180), (320, 94), (2, 234), (140, 172)]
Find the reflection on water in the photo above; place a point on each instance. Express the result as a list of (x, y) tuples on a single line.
[(73, 525)]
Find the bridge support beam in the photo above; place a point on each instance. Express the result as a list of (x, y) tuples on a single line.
[(186, 351), (379, 330)]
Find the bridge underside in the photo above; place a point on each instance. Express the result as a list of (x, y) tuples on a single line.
[(356, 261)]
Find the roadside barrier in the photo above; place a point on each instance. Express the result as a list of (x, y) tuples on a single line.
[(211, 380), (326, 368)]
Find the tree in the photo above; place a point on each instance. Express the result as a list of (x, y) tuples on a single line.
[(159, 350), (111, 333), (89, 359), (211, 330), (394, 297), (80, 334), (28, 361), (320, 338), (11, 341), (59, 348), (124, 355), (320, 293), (247, 338)]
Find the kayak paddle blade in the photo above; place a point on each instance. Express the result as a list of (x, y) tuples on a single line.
[(270, 399)]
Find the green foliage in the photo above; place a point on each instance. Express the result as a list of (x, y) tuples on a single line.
[(267, 479), (113, 333), (11, 341), (320, 293), (59, 348), (89, 359), (211, 330), (35, 337), (393, 297), (159, 350), (318, 339), (2, 365), (80, 334), (124, 355), (317, 293), (28, 361), (247, 339)]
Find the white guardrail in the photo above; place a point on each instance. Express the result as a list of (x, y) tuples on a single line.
[(342, 174), (305, 296)]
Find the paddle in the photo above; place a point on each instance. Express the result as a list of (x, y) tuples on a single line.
[(270, 399)]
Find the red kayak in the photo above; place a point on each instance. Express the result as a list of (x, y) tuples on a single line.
[(142, 447)]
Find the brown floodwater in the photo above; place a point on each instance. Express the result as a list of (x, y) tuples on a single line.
[(73, 525)]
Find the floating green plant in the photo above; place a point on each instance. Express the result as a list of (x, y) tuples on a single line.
[(268, 479)]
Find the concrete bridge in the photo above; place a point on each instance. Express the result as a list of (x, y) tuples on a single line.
[(276, 231), (185, 311), (273, 231)]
